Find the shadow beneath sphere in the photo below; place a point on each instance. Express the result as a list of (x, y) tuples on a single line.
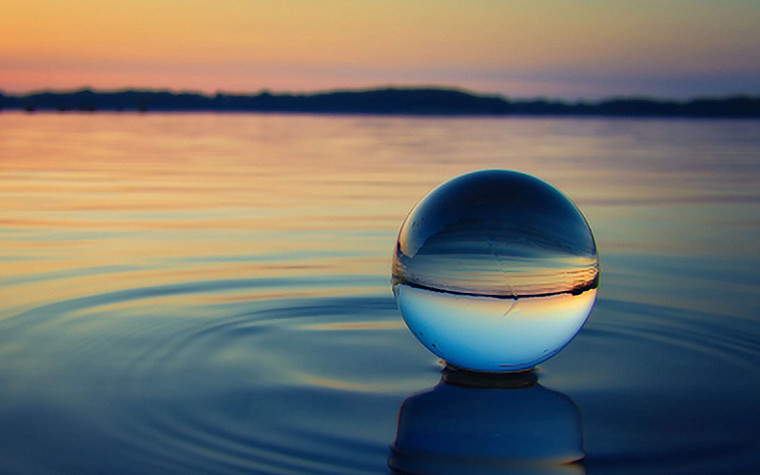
[(488, 424)]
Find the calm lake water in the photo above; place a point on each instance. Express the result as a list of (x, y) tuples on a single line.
[(201, 293)]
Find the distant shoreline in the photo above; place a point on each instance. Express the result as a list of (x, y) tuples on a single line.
[(385, 101)]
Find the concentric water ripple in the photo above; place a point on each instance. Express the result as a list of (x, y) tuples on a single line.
[(308, 385), (273, 386)]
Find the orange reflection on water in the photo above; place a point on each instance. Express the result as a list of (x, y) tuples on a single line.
[(97, 203)]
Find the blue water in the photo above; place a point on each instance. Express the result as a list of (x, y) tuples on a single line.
[(200, 293)]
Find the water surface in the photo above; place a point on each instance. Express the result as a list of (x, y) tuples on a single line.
[(202, 293)]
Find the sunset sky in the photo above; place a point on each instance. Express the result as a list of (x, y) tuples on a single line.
[(520, 48)]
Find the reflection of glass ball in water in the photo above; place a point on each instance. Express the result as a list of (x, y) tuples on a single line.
[(495, 271), (456, 430)]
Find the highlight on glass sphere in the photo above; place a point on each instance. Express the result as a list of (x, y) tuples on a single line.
[(495, 271)]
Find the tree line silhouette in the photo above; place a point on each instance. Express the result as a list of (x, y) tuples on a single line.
[(391, 101)]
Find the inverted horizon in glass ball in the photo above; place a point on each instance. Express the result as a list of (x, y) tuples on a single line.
[(495, 270)]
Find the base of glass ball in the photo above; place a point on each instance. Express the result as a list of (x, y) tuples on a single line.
[(456, 376)]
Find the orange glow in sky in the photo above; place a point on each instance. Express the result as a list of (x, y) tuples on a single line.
[(559, 48)]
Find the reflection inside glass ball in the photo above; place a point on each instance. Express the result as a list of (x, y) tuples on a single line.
[(495, 270)]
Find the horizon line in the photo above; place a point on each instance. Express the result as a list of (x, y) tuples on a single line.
[(385, 87)]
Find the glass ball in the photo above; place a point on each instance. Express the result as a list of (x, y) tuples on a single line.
[(495, 270)]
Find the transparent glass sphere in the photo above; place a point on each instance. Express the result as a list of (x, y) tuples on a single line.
[(495, 270)]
